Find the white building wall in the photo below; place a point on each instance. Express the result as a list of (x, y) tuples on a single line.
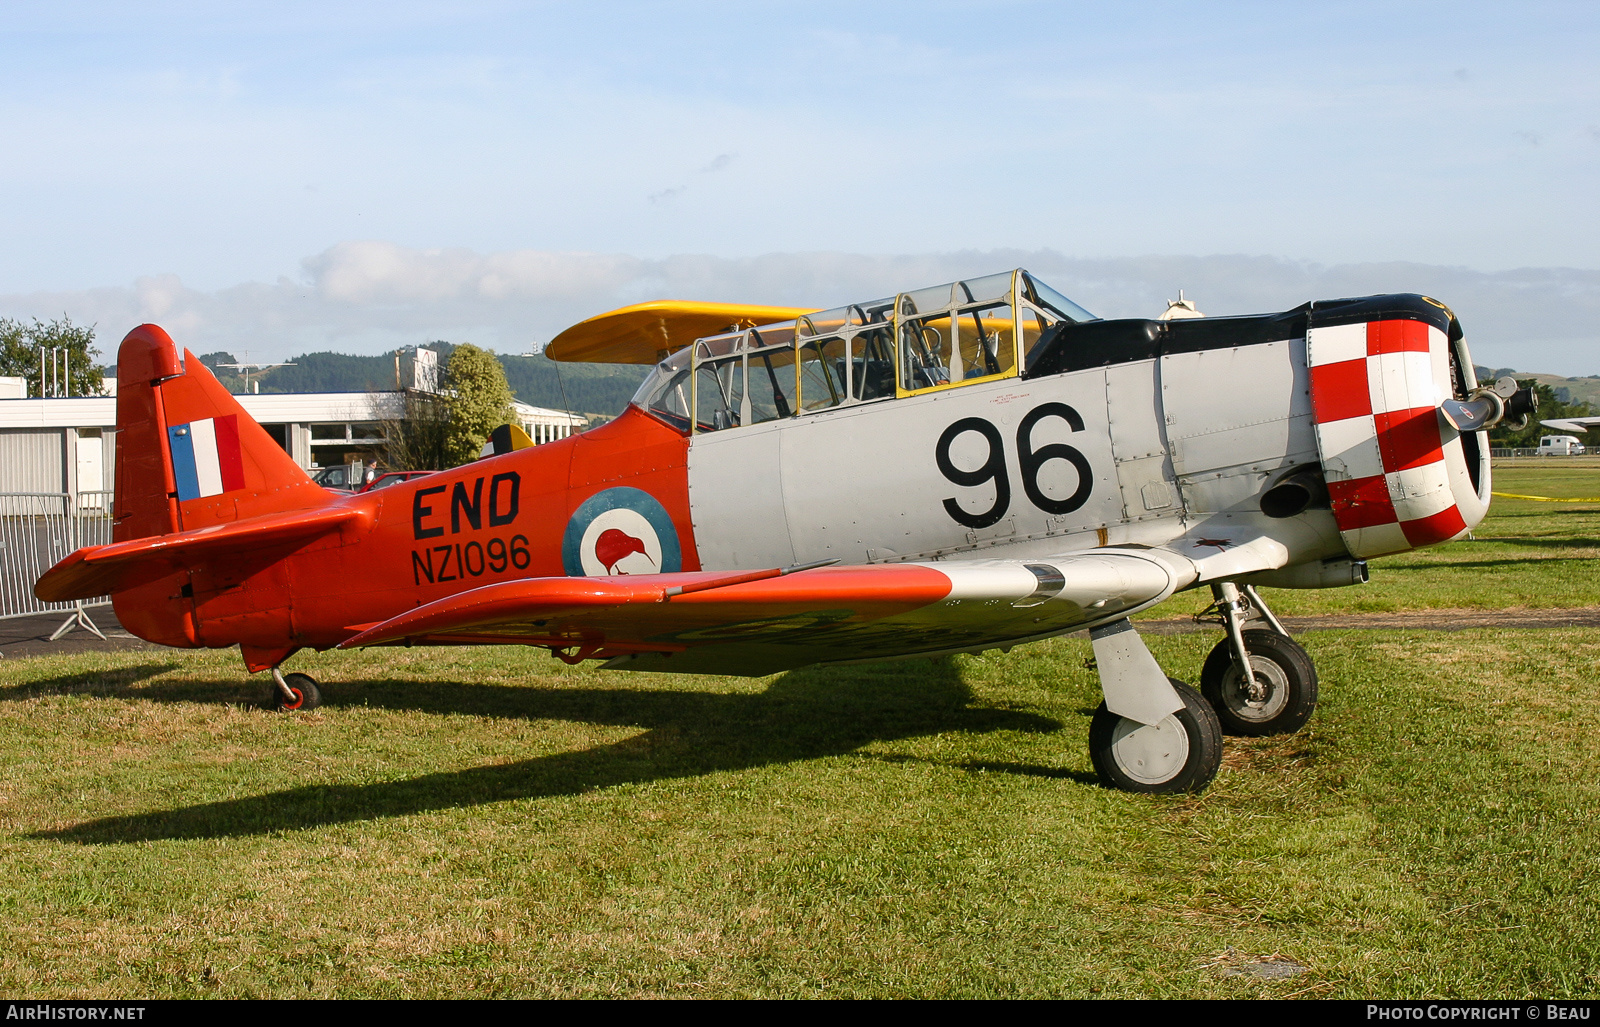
[(33, 460), (38, 451), (545, 425)]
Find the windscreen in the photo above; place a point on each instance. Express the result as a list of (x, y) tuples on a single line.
[(1047, 297)]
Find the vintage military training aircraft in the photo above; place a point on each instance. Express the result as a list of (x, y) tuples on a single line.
[(954, 469)]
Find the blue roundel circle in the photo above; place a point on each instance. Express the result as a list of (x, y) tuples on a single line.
[(620, 531)]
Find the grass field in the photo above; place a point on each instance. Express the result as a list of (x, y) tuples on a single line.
[(489, 822)]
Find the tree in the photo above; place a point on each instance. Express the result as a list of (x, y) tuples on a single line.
[(478, 399), (418, 439), (229, 377), (21, 345)]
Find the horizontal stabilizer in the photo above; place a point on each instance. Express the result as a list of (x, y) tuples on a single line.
[(99, 570)]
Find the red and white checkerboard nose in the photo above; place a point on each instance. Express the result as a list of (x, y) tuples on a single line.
[(1396, 471)]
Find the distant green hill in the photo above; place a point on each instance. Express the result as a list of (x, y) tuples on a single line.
[(1567, 390), (589, 388)]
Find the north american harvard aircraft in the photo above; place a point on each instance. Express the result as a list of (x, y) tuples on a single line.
[(954, 469)]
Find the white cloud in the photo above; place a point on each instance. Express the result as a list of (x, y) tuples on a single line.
[(369, 296)]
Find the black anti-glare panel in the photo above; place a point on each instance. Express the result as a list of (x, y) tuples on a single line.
[(1076, 347)]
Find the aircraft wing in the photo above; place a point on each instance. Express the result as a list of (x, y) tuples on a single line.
[(1223, 553), (99, 570), (720, 623), (647, 332), (1573, 424)]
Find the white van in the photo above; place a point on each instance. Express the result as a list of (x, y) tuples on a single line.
[(1560, 445)]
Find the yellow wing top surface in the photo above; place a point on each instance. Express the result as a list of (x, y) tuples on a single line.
[(646, 333)]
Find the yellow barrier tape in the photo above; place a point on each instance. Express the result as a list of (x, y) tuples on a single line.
[(1546, 499)]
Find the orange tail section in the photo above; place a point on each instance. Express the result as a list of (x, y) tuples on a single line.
[(188, 456)]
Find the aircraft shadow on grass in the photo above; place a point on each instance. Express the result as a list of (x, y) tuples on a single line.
[(1544, 514), (99, 682), (1546, 543), (803, 715), (1415, 566)]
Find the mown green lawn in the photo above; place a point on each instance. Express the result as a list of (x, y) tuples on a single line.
[(489, 822)]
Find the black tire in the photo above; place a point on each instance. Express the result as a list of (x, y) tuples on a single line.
[(1181, 754), (307, 695), (1284, 671)]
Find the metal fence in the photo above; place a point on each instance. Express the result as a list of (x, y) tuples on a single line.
[(1534, 454), (37, 529)]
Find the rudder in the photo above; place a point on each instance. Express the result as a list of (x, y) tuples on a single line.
[(188, 454)]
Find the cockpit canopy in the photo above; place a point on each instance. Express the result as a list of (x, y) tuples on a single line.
[(980, 329)]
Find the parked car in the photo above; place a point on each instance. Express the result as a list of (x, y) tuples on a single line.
[(334, 479), (388, 478), (1560, 445)]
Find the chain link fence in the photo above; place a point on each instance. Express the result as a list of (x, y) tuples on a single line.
[(38, 529)]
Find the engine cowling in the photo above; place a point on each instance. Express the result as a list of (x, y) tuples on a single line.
[(1400, 475)]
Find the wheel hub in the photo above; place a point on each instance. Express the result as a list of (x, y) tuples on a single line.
[(1150, 753), (1263, 697)]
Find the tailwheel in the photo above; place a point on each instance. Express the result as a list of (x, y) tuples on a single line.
[(1180, 754), (1277, 698), (294, 692)]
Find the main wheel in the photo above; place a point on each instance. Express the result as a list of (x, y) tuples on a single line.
[(1282, 695), (304, 687), (1180, 754)]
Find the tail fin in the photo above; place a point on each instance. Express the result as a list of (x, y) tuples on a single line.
[(508, 438), (188, 455)]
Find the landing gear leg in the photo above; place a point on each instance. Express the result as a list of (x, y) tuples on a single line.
[(294, 691), (1260, 681), (1153, 733), (1259, 606)]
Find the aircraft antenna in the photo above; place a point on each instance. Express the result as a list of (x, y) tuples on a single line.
[(564, 404)]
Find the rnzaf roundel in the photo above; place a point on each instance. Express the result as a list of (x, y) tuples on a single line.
[(620, 531)]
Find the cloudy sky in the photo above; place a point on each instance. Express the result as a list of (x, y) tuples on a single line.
[(285, 177)]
